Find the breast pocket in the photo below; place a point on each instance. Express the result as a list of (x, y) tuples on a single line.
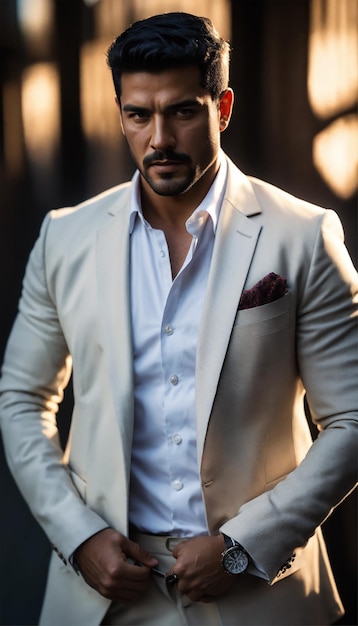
[(265, 319)]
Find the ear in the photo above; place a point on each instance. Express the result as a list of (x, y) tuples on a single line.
[(225, 108), (120, 113)]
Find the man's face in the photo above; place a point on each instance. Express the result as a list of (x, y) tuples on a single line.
[(172, 127)]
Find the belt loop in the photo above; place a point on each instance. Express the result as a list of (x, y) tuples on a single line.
[(171, 542)]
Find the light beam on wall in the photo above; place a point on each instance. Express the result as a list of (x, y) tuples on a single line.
[(41, 112), (100, 117), (333, 90), (333, 56), (335, 155), (36, 20)]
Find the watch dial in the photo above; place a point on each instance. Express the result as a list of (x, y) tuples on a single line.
[(235, 560)]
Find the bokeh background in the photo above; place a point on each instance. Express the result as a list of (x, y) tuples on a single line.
[(295, 124)]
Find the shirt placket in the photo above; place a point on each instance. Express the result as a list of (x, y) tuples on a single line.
[(179, 395)]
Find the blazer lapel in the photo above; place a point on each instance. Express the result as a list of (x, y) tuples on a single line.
[(114, 306), (235, 243)]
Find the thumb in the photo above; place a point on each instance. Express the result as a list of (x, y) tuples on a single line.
[(139, 554), (178, 548)]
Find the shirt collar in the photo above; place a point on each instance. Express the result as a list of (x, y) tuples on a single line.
[(210, 205)]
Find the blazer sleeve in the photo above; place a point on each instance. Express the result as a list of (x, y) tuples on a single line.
[(274, 524), (36, 369)]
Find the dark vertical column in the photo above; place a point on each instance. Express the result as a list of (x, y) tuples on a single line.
[(69, 23), (243, 139)]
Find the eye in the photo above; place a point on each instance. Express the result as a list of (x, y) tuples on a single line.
[(138, 116), (184, 114)]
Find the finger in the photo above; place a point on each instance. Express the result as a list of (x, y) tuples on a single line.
[(138, 553), (179, 547), (125, 582), (130, 571)]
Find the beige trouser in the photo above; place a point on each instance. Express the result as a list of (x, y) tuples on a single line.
[(161, 605)]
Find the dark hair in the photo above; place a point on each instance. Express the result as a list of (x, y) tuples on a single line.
[(172, 40)]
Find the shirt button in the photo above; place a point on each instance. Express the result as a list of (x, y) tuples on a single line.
[(162, 253), (168, 329), (178, 485), (177, 439), (174, 379)]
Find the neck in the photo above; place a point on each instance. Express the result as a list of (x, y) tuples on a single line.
[(166, 210)]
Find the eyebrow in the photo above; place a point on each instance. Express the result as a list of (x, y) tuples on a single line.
[(132, 108)]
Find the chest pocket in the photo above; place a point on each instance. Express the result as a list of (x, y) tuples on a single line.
[(265, 319)]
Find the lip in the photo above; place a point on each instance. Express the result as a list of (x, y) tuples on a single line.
[(166, 166)]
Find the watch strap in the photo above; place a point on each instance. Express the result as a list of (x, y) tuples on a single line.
[(229, 542)]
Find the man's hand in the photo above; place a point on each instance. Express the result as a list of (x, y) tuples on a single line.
[(199, 570), (103, 563)]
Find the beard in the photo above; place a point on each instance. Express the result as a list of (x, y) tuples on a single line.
[(168, 183)]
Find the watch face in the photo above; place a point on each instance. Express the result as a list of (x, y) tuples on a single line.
[(235, 560)]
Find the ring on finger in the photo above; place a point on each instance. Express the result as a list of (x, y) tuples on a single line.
[(172, 579)]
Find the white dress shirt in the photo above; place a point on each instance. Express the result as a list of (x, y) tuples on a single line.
[(165, 491)]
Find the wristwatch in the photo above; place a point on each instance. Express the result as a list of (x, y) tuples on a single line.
[(234, 559)]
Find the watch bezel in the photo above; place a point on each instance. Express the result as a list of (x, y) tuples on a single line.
[(237, 549)]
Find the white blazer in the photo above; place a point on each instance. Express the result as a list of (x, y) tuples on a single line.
[(263, 481)]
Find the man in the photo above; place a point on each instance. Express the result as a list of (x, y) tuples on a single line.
[(195, 307)]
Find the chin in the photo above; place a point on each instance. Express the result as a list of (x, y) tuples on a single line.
[(167, 187)]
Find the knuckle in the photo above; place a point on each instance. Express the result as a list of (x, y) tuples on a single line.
[(179, 570), (105, 590), (113, 572)]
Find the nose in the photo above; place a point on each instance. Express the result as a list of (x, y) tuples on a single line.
[(162, 133)]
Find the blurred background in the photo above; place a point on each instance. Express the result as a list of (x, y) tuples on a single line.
[(295, 74)]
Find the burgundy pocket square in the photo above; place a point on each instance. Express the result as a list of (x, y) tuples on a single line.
[(270, 288)]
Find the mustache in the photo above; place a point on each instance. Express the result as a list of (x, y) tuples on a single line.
[(165, 155)]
